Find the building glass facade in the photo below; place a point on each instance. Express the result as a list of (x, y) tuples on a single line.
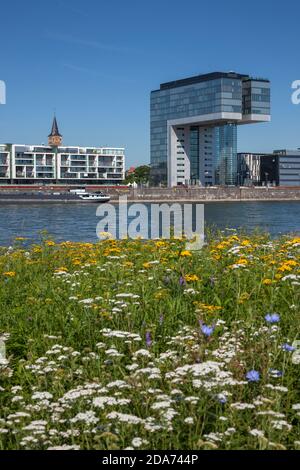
[(256, 97), (207, 100), (226, 154)]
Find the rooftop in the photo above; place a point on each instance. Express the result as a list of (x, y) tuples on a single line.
[(288, 152), (207, 77)]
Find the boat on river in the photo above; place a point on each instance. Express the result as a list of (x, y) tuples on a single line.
[(94, 197), (53, 196)]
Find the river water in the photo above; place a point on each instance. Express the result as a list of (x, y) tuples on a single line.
[(78, 222)]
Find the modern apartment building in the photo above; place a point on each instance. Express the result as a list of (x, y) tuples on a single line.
[(193, 126), (54, 163)]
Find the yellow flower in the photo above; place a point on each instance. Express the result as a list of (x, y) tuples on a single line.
[(245, 243), (243, 261), (61, 269), (294, 241), (147, 265), (160, 244), (222, 245), (112, 250), (76, 262), (267, 282), (185, 253), (285, 267), (49, 243), (9, 274), (291, 262), (191, 277), (208, 308)]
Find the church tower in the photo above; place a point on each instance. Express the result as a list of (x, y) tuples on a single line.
[(54, 138)]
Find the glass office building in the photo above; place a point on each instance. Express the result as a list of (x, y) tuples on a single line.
[(194, 126)]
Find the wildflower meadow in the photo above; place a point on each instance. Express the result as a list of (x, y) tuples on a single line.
[(139, 344)]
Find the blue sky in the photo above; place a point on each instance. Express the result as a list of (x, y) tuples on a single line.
[(96, 61)]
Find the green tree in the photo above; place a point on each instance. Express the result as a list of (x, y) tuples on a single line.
[(140, 175)]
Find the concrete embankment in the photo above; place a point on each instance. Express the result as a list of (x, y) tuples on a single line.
[(220, 194), (170, 195)]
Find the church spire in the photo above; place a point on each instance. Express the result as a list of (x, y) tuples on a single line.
[(54, 138)]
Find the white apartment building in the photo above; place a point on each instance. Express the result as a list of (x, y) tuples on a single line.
[(57, 163), (21, 163)]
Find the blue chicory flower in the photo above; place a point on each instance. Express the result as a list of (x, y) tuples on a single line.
[(288, 348), (253, 376), (207, 330), (272, 318)]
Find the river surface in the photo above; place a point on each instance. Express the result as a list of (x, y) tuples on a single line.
[(78, 222)]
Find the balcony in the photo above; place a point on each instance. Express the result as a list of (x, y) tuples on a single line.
[(106, 167), (45, 169), (23, 162), (69, 175), (114, 175), (45, 175), (78, 158)]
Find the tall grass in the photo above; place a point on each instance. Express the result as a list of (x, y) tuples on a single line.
[(142, 344)]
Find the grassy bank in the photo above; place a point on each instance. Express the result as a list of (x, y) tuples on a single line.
[(135, 344)]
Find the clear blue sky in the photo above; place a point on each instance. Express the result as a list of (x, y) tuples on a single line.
[(96, 61)]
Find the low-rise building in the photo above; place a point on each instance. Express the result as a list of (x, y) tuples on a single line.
[(280, 168), (289, 167), (52, 163), (258, 169)]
